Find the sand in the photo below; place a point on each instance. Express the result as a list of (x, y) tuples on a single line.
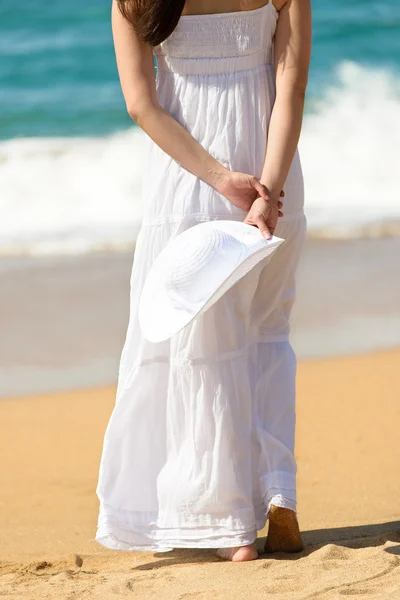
[(348, 454), (63, 319)]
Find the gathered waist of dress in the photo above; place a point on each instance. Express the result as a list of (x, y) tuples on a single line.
[(213, 65)]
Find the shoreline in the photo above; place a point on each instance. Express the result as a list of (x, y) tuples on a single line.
[(64, 319)]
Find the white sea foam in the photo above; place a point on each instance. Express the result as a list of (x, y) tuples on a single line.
[(72, 195), (350, 154)]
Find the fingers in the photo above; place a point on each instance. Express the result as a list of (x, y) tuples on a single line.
[(265, 232), (263, 190), (264, 215), (263, 227), (260, 188)]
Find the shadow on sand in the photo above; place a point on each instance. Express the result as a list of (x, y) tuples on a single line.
[(361, 536)]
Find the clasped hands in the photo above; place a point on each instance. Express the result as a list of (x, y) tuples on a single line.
[(248, 193)]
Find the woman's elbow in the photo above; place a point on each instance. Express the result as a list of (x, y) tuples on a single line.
[(300, 87), (138, 111), (297, 86), (295, 91), (134, 112), (300, 81), (292, 83)]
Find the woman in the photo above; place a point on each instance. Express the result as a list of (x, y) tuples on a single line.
[(198, 452)]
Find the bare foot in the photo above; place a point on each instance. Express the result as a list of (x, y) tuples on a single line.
[(283, 531), (239, 553)]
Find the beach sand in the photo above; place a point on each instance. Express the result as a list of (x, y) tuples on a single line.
[(348, 455), (63, 319)]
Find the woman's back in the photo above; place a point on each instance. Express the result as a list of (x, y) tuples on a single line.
[(216, 78), (197, 7), (232, 41), (218, 397)]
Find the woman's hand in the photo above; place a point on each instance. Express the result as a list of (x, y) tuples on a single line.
[(241, 189), (264, 214)]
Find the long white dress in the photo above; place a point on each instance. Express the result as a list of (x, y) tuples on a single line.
[(200, 442)]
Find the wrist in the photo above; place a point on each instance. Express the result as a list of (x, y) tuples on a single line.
[(218, 177), (273, 194)]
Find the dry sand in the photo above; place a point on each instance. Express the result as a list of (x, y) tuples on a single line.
[(348, 454)]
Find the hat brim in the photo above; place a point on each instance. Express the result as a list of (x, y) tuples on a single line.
[(158, 325)]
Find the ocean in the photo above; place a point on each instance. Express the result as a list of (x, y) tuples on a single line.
[(70, 157)]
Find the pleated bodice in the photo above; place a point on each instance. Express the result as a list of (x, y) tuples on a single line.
[(211, 44)]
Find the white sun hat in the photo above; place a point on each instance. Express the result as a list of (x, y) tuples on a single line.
[(194, 270)]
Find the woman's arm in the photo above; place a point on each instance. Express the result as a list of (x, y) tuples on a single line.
[(136, 72), (292, 58)]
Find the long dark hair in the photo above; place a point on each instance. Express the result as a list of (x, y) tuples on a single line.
[(153, 20)]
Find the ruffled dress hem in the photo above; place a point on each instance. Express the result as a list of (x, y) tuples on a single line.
[(159, 539)]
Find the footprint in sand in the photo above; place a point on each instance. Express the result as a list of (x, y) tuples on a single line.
[(78, 560)]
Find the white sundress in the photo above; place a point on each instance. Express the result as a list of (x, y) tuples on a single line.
[(200, 442)]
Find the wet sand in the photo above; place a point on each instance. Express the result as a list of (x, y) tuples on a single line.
[(63, 319)]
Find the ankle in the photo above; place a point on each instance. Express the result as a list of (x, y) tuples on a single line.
[(279, 513)]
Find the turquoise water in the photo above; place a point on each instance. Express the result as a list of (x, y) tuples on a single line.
[(71, 158), (58, 74)]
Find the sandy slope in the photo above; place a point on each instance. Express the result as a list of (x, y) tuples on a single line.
[(349, 488)]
